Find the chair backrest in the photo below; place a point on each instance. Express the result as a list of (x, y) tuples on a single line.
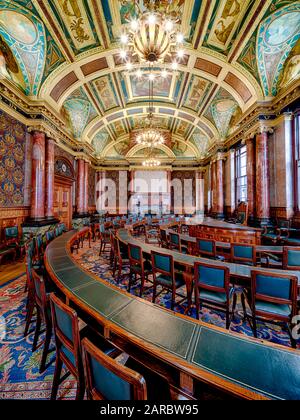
[(39, 244), (206, 247), (29, 251), (66, 331), (11, 234), (106, 379), (49, 236), (41, 296), (135, 254), (174, 239), (291, 258), (162, 263), (243, 253), (212, 277), (275, 288), (242, 213), (163, 235)]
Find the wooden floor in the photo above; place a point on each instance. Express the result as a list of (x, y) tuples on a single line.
[(11, 271)]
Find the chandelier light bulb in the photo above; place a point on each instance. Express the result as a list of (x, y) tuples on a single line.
[(129, 66), (134, 25), (124, 39), (123, 54), (169, 25), (180, 38), (151, 77), (151, 19), (164, 74), (180, 54), (174, 65), (139, 74)]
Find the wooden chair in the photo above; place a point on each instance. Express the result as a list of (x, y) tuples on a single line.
[(165, 276), (206, 248), (175, 243), (291, 258), (243, 254), (68, 346), (151, 234), (163, 239), (49, 236), (104, 239), (14, 240), (106, 379), (43, 315), (121, 260), (30, 302), (138, 267), (212, 289), (273, 297), (240, 214)]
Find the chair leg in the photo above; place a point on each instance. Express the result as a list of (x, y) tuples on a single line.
[(37, 330), (56, 377), (154, 292), (244, 306), (142, 285), (46, 349), (80, 388), (173, 298), (29, 316), (254, 327), (234, 305), (130, 281), (227, 319)]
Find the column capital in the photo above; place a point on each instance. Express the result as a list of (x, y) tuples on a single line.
[(288, 116)]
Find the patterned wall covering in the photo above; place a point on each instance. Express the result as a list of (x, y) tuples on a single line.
[(12, 161)]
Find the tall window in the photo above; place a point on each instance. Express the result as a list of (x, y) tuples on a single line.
[(297, 157), (241, 174)]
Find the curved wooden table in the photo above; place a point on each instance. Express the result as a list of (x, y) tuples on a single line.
[(245, 367)]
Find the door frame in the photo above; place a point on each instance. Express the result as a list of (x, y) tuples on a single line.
[(61, 182)]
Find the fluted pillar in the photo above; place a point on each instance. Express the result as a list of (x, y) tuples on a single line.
[(86, 187), (219, 198), (38, 176), (213, 188), (262, 179), (200, 193), (250, 143), (50, 153), (80, 186)]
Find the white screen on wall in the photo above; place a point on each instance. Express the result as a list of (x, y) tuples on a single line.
[(151, 182)]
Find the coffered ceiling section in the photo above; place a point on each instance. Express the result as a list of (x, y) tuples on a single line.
[(67, 52)]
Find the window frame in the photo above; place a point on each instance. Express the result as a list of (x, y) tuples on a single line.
[(240, 152)]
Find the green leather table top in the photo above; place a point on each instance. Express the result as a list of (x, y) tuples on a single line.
[(269, 371), (274, 373), (157, 326)]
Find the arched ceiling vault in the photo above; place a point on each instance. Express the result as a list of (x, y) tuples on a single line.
[(65, 52)]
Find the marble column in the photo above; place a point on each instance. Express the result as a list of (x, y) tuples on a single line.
[(86, 187), (262, 179), (219, 198), (200, 193), (50, 153), (169, 189), (213, 188), (38, 176), (80, 202), (289, 164), (28, 171), (250, 143)]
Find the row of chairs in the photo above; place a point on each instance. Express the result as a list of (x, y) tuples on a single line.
[(272, 297)]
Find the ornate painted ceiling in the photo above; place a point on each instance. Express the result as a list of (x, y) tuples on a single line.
[(66, 53)]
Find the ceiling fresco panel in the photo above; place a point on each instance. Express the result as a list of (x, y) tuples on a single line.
[(196, 93), (76, 23), (105, 93)]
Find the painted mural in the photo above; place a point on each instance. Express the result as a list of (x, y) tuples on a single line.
[(226, 21), (118, 150), (200, 141), (277, 36), (100, 141), (12, 161), (105, 92), (197, 92), (127, 8), (161, 87), (76, 22), (22, 47), (291, 69), (221, 111), (79, 112)]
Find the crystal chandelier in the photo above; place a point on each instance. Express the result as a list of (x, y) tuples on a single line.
[(151, 38), (150, 138)]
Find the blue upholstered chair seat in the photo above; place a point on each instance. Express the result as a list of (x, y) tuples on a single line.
[(214, 296), (165, 280), (272, 308)]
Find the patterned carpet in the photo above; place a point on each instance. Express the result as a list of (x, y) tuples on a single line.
[(19, 367)]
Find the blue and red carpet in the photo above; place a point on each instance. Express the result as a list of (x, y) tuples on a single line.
[(19, 367)]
